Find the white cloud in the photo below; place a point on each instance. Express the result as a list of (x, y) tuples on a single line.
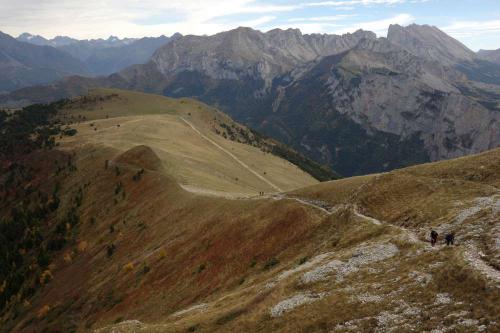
[(354, 3), (378, 26), (472, 28), (258, 21), (321, 18), (307, 28), (133, 18), (476, 34)]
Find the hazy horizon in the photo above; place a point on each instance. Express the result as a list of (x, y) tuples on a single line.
[(475, 23)]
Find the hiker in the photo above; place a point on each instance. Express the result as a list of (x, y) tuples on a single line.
[(434, 237), (449, 239)]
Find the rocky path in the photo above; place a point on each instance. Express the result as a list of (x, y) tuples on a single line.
[(474, 257), (471, 253)]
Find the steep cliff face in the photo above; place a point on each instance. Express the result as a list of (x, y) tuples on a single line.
[(385, 89)]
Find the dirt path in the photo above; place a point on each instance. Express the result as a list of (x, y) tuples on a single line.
[(371, 219), (243, 164), (473, 257), (471, 253)]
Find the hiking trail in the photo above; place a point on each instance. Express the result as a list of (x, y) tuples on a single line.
[(236, 159)]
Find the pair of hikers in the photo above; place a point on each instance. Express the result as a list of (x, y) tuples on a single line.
[(449, 238), (261, 193)]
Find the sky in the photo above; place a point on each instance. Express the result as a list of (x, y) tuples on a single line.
[(476, 23)]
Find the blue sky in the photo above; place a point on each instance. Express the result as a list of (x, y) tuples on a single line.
[(476, 23)]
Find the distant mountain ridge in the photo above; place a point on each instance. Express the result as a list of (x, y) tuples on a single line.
[(357, 102), (490, 55), (24, 64), (58, 41), (104, 56)]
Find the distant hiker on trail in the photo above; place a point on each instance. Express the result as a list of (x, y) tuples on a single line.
[(450, 238), (434, 237)]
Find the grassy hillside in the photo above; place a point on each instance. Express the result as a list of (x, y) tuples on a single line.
[(122, 119), (128, 249)]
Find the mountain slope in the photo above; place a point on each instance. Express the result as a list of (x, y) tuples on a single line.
[(213, 146), (351, 109), (390, 107), (131, 250), (429, 42), (359, 103), (23, 64), (490, 55)]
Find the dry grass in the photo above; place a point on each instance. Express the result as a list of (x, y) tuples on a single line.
[(159, 225), (154, 121)]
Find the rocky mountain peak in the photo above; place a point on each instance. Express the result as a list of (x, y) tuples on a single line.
[(175, 36), (360, 33), (429, 42), (245, 52), (33, 39)]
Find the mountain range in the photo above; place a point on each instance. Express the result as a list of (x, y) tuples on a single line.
[(32, 60), (23, 64), (355, 102)]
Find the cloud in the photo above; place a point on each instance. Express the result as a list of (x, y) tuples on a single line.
[(472, 28), (321, 18), (378, 26), (307, 28), (97, 18), (354, 3), (135, 18), (258, 21), (475, 34)]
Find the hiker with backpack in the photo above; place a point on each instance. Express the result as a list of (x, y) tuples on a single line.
[(434, 236), (450, 238)]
